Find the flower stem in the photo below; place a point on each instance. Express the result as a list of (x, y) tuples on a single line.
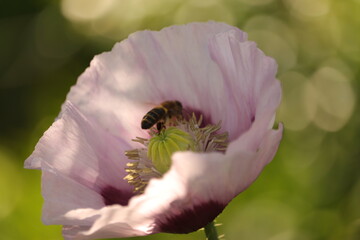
[(210, 231)]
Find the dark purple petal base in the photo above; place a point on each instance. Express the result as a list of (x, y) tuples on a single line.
[(190, 219), (112, 195)]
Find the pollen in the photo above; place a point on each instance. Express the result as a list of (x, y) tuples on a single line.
[(154, 158)]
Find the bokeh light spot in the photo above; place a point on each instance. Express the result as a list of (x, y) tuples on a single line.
[(256, 2), (206, 3), (299, 104), (275, 46), (272, 24), (338, 64), (193, 13), (121, 18), (85, 10), (335, 98), (301, 153), (308, 8)]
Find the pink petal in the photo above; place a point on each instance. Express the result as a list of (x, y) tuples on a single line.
[(210, 181), (112, 221), (247, 75), (62, 194), (148, 68), (179, 63), (77, 151), (212, 69), (194, 191)]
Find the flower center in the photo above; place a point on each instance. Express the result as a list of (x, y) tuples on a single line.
[(154, 159), (168, 141)]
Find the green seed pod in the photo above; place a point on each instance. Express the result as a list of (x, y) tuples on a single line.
[(162, 146)]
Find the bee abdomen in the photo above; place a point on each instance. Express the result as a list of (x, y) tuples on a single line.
[(152, 117)]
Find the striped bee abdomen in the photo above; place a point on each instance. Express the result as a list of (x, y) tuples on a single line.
[(152, 117)]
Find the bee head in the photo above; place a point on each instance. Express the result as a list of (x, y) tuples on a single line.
[(178, 104)]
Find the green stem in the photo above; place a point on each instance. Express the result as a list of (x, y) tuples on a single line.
[(210, 231)]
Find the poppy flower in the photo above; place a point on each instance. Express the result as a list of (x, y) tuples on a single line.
[(103, 176)]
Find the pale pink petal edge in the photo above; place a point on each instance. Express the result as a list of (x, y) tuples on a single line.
[(187, 185)]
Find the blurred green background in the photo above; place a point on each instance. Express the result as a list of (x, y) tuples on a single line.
[(312, 188)]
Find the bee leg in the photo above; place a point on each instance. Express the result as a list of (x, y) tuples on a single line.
[(180, 117), (160, 125)]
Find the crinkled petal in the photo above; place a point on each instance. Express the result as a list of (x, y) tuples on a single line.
[(248, 84), (185, 199), (136, 219), (211, 69), (86, 158), (63, 194), (151, 67), (211, 181), (179, 62), (112, 221)]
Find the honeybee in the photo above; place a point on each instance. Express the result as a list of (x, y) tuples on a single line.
[(158, 115)]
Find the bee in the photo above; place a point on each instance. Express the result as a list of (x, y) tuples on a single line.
[(158, 115)]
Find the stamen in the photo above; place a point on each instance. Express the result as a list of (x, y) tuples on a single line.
[(154, 159)]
